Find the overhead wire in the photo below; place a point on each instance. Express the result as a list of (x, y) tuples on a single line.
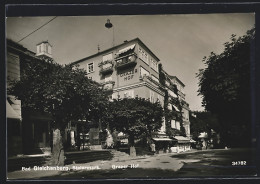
[(38, 28)]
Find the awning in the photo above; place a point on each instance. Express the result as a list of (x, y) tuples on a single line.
[(10, 112), (181, 139), (176, 108), (162, 139), (192, 141), (126, 49)]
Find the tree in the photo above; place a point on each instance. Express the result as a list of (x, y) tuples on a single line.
[(135, 117), (62, 91), (225, 88), (204, 122)]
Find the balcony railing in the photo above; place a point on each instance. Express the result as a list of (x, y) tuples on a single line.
[(150, 80), (127, 61), (106, 67), (108, 85)]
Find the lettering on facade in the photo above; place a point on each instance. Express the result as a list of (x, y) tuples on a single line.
[(128, 75)]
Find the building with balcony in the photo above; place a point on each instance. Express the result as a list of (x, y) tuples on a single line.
[(131, 70), (179, 109), (185, 106)]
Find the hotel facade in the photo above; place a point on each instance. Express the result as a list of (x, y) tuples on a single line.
[(131, 70)]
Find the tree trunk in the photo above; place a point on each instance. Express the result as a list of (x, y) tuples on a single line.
[(132, 147), (57, 157)]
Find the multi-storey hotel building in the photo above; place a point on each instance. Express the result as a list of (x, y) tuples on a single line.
[(131, 70), (128, 70)]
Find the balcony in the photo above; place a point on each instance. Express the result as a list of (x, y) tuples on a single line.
[(181, 94), (149, 79), (108, 85), (106, 67), (127, 61)]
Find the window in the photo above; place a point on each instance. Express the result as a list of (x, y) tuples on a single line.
[(129, 94), (107, 57), (160, 98), (90, 67), (152, 99), (143, 72), (154, 65), (143, 55), (173, 124), (163, 128), (49, 49), (178, 125)]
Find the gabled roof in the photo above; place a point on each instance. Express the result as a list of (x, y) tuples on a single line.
[(116, 47)]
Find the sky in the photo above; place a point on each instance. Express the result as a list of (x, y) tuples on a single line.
[(179, 41)]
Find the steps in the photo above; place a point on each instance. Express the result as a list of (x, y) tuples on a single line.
[(87, 156)]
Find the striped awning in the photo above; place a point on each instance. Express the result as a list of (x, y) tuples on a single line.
[(181, 139), (126, 49)]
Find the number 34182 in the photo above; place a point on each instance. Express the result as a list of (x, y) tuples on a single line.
[(239, 163)]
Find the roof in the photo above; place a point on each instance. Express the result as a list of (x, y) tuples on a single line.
[(44, 42), (181, 139), (113, 48), (174, 77), (14, 44)]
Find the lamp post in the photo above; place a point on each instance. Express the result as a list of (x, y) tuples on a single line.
[(110, 25)]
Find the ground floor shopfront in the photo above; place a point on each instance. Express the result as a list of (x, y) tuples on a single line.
[(177, 144)]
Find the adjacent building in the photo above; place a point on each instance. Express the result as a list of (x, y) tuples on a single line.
[(27, 131)]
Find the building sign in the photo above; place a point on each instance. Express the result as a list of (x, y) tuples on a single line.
[(128, 75)]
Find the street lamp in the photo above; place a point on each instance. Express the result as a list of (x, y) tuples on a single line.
[(109, 25)]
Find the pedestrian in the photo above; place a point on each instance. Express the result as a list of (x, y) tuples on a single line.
[(152, 147)]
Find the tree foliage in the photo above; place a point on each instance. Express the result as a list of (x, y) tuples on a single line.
[(203, 122), (135, 117), (63, 91), (225, 87)]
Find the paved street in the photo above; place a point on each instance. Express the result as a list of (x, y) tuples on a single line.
[(190, 164)]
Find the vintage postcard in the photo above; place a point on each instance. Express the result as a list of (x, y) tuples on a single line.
[(130, 96)]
